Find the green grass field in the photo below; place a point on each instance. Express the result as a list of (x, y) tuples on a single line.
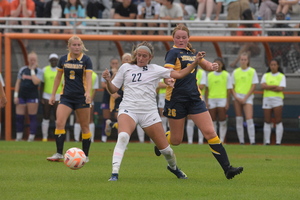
[(270, 172)]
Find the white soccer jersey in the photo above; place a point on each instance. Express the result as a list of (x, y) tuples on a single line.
[(140, 85)]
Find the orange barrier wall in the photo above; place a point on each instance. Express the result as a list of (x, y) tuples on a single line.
[(116, 38)]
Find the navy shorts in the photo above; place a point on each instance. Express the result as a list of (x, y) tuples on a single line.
[(74, 104), (25, 100), (179, 110)]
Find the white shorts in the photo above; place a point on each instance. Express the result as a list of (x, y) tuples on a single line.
[(161, 100), (248, 101), (214, 103), (272, 102), (143, 119)]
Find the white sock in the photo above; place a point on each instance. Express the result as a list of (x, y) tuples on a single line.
[(77, 130), (267, 133), (92, 129), (19, 136), (279, 132), (200, 137), (31, 137), (164, 122), (240, 129), (103, 138), (140, 133), (190, 130), (169, 156), (45, 128), (222, 130), (123, 140), (251, 130)]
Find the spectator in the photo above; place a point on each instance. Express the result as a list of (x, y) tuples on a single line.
[(54, 9), (74, 9), (170, 11), (280, 50), (285, 5), (26, 96), (273, 83), (95, 8), (252, 48), (235, 8), (23, 8), (208, 7), (49, 73), (189, 8), (77, 128), (148, 10), (218, 91), (4, 11), (266, 9), (108, 116), (244, 80), (39, 8), (293, 55), (3, 100), (125, 10)]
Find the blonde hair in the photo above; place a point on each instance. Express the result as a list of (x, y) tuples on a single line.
[(146, 44), (75, 37), (124, 56), (184, 28), (32, 53)]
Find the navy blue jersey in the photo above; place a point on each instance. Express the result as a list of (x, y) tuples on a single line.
[(27, 89), (74, 75), (185, 89)]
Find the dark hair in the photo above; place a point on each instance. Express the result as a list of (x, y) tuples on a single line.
[(222, 61), (278, 63)]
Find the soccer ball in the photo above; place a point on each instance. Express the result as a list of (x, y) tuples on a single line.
[(74, 158)]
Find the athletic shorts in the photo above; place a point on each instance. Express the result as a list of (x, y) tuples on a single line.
[(272, 102), (217, 103), (24, 100), (143, 119), (104, 106), (248, 101), (74, 105), (161, 100), (179, 110)]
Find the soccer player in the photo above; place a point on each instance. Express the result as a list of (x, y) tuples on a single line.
[(244, 80), (218, 90), (273, 83), (184, 99), (140, 79), (77, 69)]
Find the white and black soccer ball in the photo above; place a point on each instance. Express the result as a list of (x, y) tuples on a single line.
[(74, 158)]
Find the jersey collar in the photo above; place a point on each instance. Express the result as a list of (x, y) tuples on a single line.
[(79, 58)]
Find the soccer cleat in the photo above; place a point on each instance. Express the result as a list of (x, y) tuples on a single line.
[(57, 157), (180, 174), (232, 171), (107, 127), (114, 177), (87, 160), (44, 140), (156, 151)]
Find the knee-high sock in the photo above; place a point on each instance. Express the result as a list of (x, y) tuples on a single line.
[(92, 129), (103, 126), (251, 130), (19, 126), (222, 130), (279, 132), (86, 142), (219, 152), (123, 140), (45, 128), (33, 124), (77, 130), (200, 137), (60, 136), (267, 133), (240, 129), (140, 133), (190, 130), (164, 122), (169, 156)]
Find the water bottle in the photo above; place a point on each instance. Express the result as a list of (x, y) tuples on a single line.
[(192, 17), (288, 17), (96, 118)]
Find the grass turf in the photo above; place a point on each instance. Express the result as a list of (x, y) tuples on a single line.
[(270, 172)]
